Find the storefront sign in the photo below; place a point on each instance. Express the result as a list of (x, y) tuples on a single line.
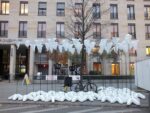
[(10, 40), (51, 77), (75, 77)]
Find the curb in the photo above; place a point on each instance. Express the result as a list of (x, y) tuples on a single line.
[(87, 103)]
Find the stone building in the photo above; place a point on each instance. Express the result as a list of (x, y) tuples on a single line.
[(36, 19)]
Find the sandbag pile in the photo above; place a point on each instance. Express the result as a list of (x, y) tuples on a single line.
[(109, 94)]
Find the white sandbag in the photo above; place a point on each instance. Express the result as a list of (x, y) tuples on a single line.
[(11, 97), (140, 95), (25, 98), (136, 101), (129, 101), (53, 99)]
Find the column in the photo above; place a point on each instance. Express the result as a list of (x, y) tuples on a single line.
[(31, 63), (69, 63), (12, 62), (50, 67), (88, 61)]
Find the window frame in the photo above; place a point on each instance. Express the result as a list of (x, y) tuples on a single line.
[(96, 7), (44, 10), (78, 11), (77, 29), (60, 34), (22, 33), (113, 14), (60, 11), (5, 7), (147, 31), (146, 14), (97, 30), (41, 32), (130, 14), (115, 33), (24, 3), (133, 33), (4, 33)]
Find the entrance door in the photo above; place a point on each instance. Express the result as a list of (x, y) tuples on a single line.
[(43, 68), (115, 69), (4, 63)]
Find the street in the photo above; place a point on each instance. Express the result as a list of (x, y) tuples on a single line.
[(24, 108)]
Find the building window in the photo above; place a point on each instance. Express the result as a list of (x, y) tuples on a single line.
[(42, 9), (78, 29), (132, 52), (114, 30), (3, 28), (96, 10), (113, 11), (115, 69), (23, 8), (97, 68), (41, 33), (23, 29), (148, 50), (147, 31), (131, 12), (147, 12), (132, 30), (60, 29), (60, 9), (78, 9), (5, 7), (131, 68), (97, 30)]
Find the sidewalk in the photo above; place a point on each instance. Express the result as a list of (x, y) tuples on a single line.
[(7, 89)]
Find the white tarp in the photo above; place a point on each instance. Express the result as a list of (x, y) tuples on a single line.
[(142, 74)]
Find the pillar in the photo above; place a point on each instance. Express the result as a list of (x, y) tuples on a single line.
[(69, 64), (12, 68), (31, 63), (50, 67), (89, 63)]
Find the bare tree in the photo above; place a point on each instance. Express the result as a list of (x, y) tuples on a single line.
[(84, 14)]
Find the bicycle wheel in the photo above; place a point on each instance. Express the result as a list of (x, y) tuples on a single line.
[(73, 87), (77, 87), (91, 87)]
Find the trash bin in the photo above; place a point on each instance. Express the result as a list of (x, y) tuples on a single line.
[(68, 81)]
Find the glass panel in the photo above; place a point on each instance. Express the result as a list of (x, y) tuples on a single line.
[(97, 67), (42, 5), (26, 8), (131, 67), (115, 69), (148, 51)]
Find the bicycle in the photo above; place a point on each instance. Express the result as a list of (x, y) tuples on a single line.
[(80, 86)]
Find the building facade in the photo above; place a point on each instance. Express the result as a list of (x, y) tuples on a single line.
[(36, 19)]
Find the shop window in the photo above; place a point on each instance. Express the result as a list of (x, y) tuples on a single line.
[(43, 68), (131, 68), (97, 67), (148, 50), (115, 69)]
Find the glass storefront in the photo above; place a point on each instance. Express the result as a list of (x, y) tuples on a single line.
[(22, 62), (97, 68), (4, 62), (131, 68), (115, 69)]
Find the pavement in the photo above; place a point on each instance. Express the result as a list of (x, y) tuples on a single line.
[(7, 89)]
